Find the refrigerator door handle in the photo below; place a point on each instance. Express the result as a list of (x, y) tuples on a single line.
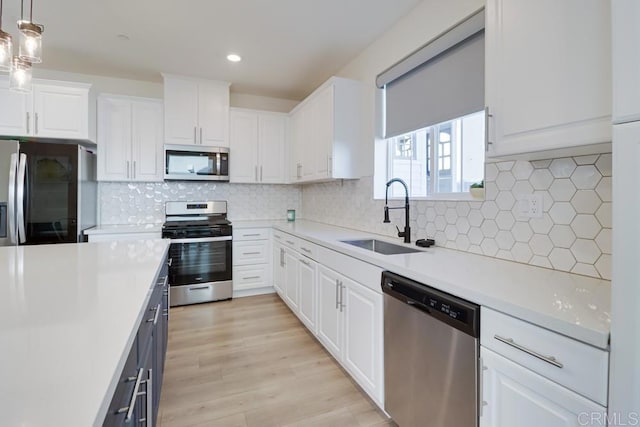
[(22, 171), (11, 203)]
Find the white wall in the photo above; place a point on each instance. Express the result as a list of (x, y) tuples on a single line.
[(422, 24)]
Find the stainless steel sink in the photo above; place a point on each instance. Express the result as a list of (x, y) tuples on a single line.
[(380, 246)]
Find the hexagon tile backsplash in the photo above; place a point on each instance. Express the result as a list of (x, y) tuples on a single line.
[(139, 203), (574, 233)]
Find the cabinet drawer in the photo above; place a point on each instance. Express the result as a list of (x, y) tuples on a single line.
[(286, 239), (150, 317), (308, 249), (250, 277), (251, 252), (575, 365), (251, 234)]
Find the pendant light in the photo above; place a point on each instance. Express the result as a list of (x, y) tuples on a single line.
[(20, 75), (30, 48), (6, 47)]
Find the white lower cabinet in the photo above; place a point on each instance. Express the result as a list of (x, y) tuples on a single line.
[(251, 262), (345, 315), (516, 396), (307, 277), (350, 325)]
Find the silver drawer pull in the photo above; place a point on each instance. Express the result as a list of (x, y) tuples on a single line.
[(154, 319), (132, 403), (549, 359), (277, 237), (305, 249), (251, 278), (251, 235), (305, 262), (290, 242), (251, 253)]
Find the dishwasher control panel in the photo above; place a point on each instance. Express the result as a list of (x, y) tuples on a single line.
[(450, 310)]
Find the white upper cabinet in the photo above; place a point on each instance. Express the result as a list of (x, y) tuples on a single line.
[(51, 110), (548, 77), (258, 147), (326, 132), (129, 139), (196, 111), (626, 60)]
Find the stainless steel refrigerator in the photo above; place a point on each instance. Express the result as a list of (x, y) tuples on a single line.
[(47, 192)]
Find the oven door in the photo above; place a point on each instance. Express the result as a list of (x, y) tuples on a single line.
[(200, 260)]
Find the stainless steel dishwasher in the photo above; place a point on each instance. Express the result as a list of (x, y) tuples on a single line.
[(431, 354)]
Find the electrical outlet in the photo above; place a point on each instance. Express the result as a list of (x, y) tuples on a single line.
[(530, 206)]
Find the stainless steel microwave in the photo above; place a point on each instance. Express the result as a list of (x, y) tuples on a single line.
[(197, 163)]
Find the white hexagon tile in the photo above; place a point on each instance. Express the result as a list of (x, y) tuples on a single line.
[(573, 234)]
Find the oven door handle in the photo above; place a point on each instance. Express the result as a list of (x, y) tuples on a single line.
[(202, 239)]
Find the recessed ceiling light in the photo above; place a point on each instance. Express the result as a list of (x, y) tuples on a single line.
[(234, 58)]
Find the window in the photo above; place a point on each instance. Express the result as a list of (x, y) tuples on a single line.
[(433, 115), (451, 165)]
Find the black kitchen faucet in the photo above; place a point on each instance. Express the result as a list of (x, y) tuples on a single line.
[(407, 230)]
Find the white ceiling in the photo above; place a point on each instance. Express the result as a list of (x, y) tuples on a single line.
[(288, 47)]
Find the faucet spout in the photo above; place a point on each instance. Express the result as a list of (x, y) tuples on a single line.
[(407, 230)]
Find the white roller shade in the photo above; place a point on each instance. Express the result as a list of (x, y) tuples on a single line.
[(443, 80)]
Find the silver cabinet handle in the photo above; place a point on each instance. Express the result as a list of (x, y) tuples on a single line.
[(299, 170), (36, 123), (290, 242), (128, 169), (305, 262), (28, 123), (260, 173), (481, 402), (328, 165), (132, 403), (255, 173), (487, 115), (251, 235), (154, 319), (250, 253), (277, 237), (337, 294), (251, 278), (341, 297), (281, 257), (200, 136), (134, 170), (149, 384), (305, 249), (549, 359), (195, 129)]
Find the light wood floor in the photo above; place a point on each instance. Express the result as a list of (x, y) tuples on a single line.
[(249, 362)]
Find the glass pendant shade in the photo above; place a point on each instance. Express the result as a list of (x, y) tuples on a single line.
[(30, 48), (6, 49), (20, 76)]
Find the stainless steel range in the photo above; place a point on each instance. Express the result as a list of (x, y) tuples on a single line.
[(200, 251)]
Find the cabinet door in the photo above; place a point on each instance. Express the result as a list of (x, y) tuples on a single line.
[(291, 279), (114, 139), (243, 159), (15, 111), (60, 112), (330, 319), (307, 270), (180, 111), (516, 396), (322, 133), (272, 143), (548, 82), (278, 269), (626, 60), (363, 329), (299, 143), (147, 141), (307, 143), (213, 114)]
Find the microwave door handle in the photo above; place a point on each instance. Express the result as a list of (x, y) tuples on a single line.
[(22, 170), (218, 164), (11, 203)]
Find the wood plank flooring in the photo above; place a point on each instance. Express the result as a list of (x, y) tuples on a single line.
[(249, 362)]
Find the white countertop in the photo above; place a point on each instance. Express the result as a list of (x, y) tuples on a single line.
[(573, 305), (68, 315), (124, 229)]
